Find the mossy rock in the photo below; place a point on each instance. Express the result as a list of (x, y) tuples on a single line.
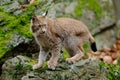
[(20, 68), (15, 29), (15, 68)]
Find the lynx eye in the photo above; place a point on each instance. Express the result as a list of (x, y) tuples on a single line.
[(39, 25), (42, 25)]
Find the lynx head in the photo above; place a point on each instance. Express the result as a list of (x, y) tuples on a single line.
[(39, 24)]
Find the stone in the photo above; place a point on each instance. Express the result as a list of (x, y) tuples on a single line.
[(62, 8), (3, 2), (12, 7), (88, 69), (18, 39), (30, 76), (23, 1), (14, 68), (70, 8), (18, 12), (81, 70)]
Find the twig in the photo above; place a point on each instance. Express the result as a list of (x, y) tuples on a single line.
[(105, 29)]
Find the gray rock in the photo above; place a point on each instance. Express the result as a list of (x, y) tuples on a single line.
[(3, 2), (18, 12), (31, 76), (18, 39), (12, 7), (70, 8), (23, 1), (17, 69), (14, 68), (82, 70), (62, 8), (88, 69)]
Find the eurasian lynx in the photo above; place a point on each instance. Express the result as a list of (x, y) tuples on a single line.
[(52, 34)]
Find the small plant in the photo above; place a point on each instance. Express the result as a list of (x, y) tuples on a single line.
[(19, 66), (19, 70), (113, 71)]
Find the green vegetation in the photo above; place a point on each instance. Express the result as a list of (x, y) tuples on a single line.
[(22, 67), (113, 71), (90, 5), (10, 24), (18, 71), (65, 54)]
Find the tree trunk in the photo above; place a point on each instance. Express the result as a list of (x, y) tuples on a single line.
[(116, 4)]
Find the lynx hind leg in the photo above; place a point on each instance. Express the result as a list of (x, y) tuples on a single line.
[(78, 54)]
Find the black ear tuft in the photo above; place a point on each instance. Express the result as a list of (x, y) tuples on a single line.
[(45, 14)]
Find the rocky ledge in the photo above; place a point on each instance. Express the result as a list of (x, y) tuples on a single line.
[(20, 68)]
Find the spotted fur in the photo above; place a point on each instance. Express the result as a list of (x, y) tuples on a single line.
[(52, 34)]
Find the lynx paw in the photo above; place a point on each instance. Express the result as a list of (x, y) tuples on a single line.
[(51, 65), (69, 60), (36, 66)]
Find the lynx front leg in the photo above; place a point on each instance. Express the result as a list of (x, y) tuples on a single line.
[(41, 59), (52, 63)]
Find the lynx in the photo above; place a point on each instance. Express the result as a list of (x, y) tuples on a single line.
[(52, 34)]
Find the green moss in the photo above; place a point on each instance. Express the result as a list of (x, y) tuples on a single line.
[(113, 71), (10, 24), (22, 68), (78, 10), (65, 54), (89, 5)]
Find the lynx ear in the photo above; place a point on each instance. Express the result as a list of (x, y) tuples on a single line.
[(45, 14)]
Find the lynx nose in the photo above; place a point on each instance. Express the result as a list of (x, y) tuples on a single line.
[(43, 31)]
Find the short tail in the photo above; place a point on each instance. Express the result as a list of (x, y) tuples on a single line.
[(93, 44)]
